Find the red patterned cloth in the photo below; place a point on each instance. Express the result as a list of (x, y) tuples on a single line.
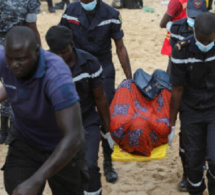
[(137, 123)]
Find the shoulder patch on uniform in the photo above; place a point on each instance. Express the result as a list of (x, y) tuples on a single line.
[(182, 44), (120, 18)]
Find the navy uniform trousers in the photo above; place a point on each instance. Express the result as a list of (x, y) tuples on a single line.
[(198, 130)]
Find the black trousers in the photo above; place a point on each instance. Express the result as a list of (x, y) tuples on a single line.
[(198, 131), (110, 91), (23, 161), (92, 139)]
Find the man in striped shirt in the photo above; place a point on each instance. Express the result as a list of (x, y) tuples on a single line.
[(193, 93)]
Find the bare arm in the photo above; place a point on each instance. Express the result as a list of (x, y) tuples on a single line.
[(175, 102), (102, 106), (33, 26), (166, 18), (123, 58), (3, 94), (69, 122)]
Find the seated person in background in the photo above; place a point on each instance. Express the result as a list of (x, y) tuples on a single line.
[(130, 4)]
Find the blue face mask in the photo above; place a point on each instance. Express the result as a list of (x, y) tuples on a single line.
[(204, 48), (90, 6), (190, 22)]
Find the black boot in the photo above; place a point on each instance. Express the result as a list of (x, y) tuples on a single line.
[(51, 9), (109, 172), (182, 186), (59, 5)]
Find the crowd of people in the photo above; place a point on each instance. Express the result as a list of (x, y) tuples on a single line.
[(57, 140)]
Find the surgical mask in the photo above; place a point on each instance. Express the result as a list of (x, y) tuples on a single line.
[(204, 48), (90, 6), (190, 22)]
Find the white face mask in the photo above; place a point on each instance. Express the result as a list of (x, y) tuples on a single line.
[(190, 22), (204, 48), (89, 6)]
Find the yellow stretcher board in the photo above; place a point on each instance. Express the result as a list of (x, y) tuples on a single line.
[(157, 153)]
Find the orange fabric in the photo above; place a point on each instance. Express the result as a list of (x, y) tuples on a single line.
[(166, 48), (138, 124)]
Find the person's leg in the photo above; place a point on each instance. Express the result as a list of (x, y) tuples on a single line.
[(194, 136), (6, 117), (211, 158), (109, 172), (92, 139), (4, 129), (60, 5), (50, 6), (183, 183), (21, 163), (72, 179), (66, 1)]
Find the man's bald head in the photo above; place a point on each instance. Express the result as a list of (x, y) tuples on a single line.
[(21, 35), (205, 23), (21, 51)]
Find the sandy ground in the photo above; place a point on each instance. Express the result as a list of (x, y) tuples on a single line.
[(143, 39)]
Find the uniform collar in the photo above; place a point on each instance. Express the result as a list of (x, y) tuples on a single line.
[(82, 16), (184, 27), (80, 60), (41, 66)]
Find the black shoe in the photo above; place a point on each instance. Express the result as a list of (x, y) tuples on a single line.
[(51, 9), (182, 186), (59, 5), (109, 172)]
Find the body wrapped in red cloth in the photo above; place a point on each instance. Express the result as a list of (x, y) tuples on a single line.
[(138, 124)]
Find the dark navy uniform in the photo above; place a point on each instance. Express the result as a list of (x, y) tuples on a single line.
[(87, 75), (178, 31), (195, 71), (93, 32)]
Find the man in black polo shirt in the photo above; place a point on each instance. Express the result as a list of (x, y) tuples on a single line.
[(193, 79), (87, 76)]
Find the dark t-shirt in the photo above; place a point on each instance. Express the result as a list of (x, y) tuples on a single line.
[(35, 101)]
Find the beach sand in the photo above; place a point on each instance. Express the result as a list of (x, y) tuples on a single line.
[(143, 40)]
